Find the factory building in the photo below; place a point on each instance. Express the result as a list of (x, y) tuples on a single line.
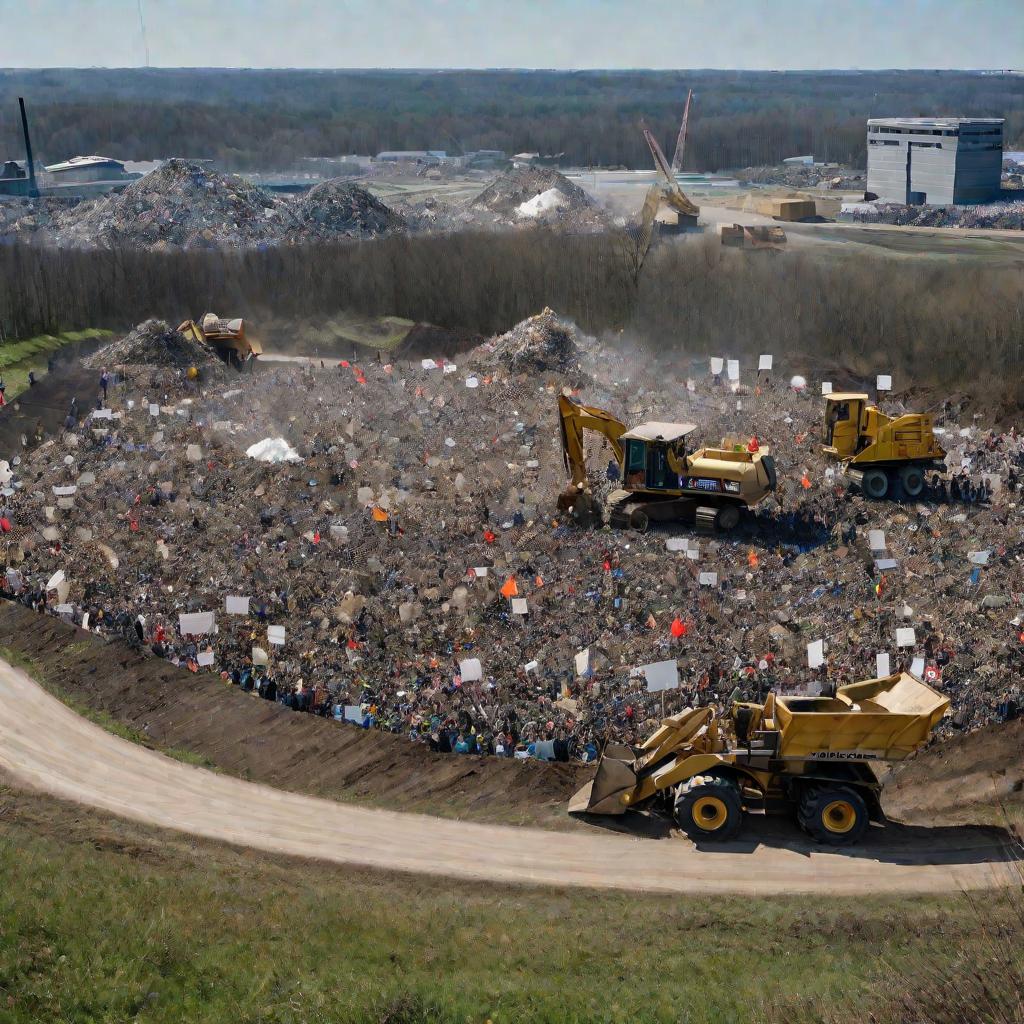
[(935, 160)]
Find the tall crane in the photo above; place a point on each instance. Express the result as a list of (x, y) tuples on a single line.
[(677, 156)]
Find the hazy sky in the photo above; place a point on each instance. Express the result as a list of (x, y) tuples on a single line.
[(515, 33)]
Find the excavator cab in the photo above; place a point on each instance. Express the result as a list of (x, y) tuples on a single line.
[(843, 414), (654, 456)]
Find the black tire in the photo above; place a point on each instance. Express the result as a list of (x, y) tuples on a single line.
[(833, 815), (727, 518), (912, 479), (875, 483), (710, 810), (639, 520)]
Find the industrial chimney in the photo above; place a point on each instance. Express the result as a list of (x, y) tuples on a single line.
[(33, 188)]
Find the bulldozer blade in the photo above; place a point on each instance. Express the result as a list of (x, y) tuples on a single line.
[(602, 794)]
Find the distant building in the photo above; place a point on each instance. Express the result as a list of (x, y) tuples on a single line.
[(412, 156), (84, 169), (14, 179), (807, 160), (484, 158), (935, 160)]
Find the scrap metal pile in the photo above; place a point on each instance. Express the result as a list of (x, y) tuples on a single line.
[(392, 547)]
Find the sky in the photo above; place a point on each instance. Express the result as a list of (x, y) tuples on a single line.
[(742, 34)]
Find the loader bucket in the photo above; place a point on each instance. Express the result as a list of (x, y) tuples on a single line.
[(615, 776)]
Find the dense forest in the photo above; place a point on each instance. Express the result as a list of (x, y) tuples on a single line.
[(268, 120), (958, 325)]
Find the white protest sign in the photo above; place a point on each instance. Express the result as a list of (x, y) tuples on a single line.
[(260, 656), (583, 663), (195, 623), (65, 492), (905, 637), (764, 362), (56, 580), (734, 369), (65, 609), (883, 382), (480, 571), (275, 635), (471, 670), (882, 669), (661, 675), (826, 387), (450, 368), (519, 606), (472, 382), (708, 579), (886, 564), (236, 605), (716, 365), (353, 713), (154, 409), (693, 554), (428, 364), (876, 538), (204, 658), (816, 654), (917, 668), (103, 414), (677, 543), (979, 557)]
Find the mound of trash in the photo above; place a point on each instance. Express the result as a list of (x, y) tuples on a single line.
[(338, 208), (179, 204), (154, 343), (509, 192), (540, 343)]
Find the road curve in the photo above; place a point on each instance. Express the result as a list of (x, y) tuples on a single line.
[(46, 746)]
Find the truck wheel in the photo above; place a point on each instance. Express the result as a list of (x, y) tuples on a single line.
[(639, 520), (709, 810), (728, 518), (875, 483), (912, 479), (834, 815)]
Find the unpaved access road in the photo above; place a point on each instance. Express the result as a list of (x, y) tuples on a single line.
[(46, 746)]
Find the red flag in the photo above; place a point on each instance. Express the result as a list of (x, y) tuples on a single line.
[(678, 628)]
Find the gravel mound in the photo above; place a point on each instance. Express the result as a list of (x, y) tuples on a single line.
[(339, 207), (179, 204), (154, 343), (541, 343), (512, 189)]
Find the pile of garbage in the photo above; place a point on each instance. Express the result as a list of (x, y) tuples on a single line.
[(803, 175), (412, 572), (179, 204), (339, 208), (514, 194), (540, 344), (25, 218), (154, 343), (1007, 214)]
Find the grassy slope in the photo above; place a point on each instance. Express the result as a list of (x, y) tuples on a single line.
[(18, 357), (104, 920)]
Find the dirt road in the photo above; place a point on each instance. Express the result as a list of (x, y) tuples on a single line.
[(45, 745)]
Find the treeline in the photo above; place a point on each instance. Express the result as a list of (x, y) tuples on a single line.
[(269, 120), (950, 324)]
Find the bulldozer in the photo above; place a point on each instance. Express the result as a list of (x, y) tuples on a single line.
[(811, 755), (226, 337), (662, 481), (878, 452)]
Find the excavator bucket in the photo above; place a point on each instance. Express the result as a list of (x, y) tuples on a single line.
[(615, 775)]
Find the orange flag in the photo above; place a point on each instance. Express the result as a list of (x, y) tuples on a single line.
[(510, 589), (752, 558), (678, 627), (379, 515), (805, 482)]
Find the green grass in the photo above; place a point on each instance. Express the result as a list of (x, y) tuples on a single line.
[(98, 717), (18, 357), (102, 920)]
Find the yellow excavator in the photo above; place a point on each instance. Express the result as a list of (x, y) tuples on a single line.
[(879, 452), (662, 481), (813, 755), (226, 337)]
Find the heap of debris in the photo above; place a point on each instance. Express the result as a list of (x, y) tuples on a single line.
[(340, 208), (804, 175), (179, 204), (511, 190), (539, 344), (25, 218), (1007, 215), (154, 343)]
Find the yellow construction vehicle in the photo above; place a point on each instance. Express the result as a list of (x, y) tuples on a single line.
[(661, 480), (878, 451), (226, 337), (811, 754), (752, 238)]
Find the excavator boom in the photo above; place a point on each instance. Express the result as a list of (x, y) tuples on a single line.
[(574, 419)]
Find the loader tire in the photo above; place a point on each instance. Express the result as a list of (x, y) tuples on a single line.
[(875, 483), (912, 479), (639, 520), (833, 815), (728, 518), (709, 810)]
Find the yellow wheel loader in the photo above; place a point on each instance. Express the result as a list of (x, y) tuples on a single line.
[(226, 337), (880, 453), (811, 755), (662, 481)]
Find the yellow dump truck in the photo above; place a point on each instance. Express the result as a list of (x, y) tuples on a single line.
[(880, 452), (662, 479), (227, 338), (813, 755)]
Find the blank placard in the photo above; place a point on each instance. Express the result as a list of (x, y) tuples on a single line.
[(764, 362), (716, 365), (816, 654), (661, 675), (275, 635), (471, 670), (883, 382), (905, 637), (882, 669)]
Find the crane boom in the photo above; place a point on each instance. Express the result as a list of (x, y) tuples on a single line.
[(677, 156), (673, 194)]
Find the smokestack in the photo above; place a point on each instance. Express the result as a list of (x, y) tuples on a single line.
[(33, 188)]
